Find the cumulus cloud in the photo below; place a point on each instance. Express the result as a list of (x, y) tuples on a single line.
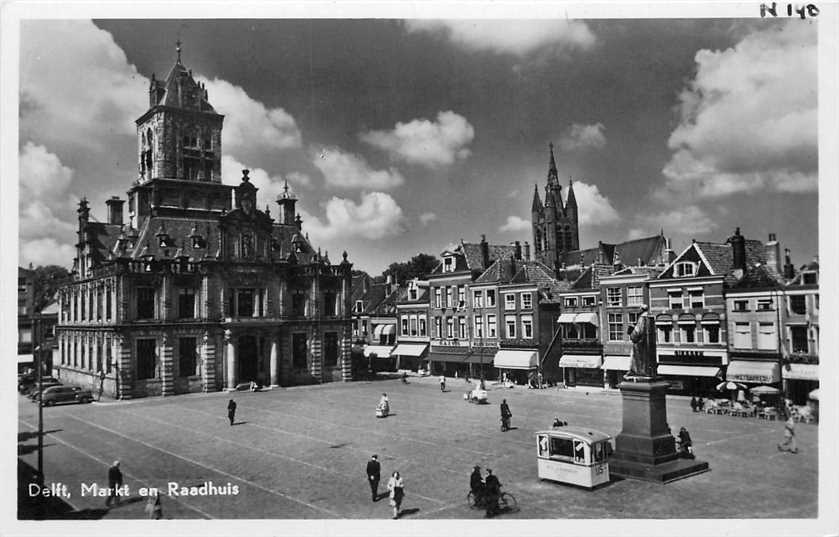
[(427, 218), (424, 142), (46, 209), (74, 78), (347, 170), (46, 251), (514, 223), (270, 186), (595, 208), (249, 125), (518, 37), (578, 137), (689, 220), (375, 216), (748, 119)]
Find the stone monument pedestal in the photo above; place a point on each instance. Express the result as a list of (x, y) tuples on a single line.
[(645, 449)]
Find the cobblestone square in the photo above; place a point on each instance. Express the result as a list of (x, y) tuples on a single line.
[(300, 453)]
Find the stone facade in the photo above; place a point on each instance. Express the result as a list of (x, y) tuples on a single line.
[(195, 293)]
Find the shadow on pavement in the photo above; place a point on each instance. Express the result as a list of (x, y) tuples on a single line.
[(407, 512), (26, 449)]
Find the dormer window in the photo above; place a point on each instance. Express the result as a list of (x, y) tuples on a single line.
[(412, 293), (448, 264), (686, 269), (359, 306)]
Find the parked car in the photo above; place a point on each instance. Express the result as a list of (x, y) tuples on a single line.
[(47, 382), (64, 394)]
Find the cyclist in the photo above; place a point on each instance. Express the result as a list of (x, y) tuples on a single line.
[(492, 491)]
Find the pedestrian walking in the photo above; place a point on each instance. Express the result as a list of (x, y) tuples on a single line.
[(492, 491), (374, 473), (231, 411), (789, 443), (442, 383), (396, 488), (505, 415), (101, 385), (694, 404), (114, 483), (153, 508)]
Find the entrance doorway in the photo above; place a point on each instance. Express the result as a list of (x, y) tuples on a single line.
[(248, 358)]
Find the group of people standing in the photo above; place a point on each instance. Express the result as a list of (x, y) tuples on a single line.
[(395, 485)]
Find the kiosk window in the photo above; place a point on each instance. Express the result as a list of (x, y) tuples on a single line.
[(562, 447), (543, 446), (579, 451), (598, 451)]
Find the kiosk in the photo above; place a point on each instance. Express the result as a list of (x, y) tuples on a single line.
[(574, 455)]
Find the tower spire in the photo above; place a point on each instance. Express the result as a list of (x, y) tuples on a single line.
[(552, 173), (178, 48)]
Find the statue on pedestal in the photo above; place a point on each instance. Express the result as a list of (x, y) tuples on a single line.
[(643, 348)]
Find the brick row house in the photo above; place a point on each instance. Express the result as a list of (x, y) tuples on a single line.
[(597, 309), (413, 330), (800, 333), (374, 320), (514, 320), (196, 291), (451, 307)]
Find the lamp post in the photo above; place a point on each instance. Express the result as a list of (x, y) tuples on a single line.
[(38, 364)]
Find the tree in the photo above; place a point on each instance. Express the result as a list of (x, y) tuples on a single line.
[(419, 265), (46, 281)]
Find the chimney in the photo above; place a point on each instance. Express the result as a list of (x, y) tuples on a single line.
[(789, 270), (484, 252), (773, 254), (526, 251), (115, 210), (738, 249), (518, 250), (512, 266)]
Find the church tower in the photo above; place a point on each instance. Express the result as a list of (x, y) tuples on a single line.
[(555, 224)]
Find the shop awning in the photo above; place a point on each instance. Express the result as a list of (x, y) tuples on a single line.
[(377, 332), (587, 317), (754, 372), (801, 372), (25, 358), (664, 319), (616, 363), (388, 329), (505, 359), (407, 349), (585, 361), (688, 371), (590, 318), (566, 317), (381, 351)]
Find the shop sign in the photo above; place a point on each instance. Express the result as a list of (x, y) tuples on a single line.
[(689, 354), (761, 379)]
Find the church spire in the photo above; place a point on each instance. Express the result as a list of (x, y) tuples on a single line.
[(537, 203), (178, 49), (572, 200), (552, 173)]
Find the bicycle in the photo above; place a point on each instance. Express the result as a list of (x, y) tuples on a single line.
[(506, 502)]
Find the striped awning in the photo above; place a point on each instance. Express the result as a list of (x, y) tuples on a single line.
[(801, 372), (506, 359), (381, 351), (25, 358), (407, 349), (586, 317), (754, 372), (616, 363), (688, 371), (585, 361)]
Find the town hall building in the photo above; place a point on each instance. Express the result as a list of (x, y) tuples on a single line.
[(196, 288)]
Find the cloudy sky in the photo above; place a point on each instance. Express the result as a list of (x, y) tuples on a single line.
[(404, 136)]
